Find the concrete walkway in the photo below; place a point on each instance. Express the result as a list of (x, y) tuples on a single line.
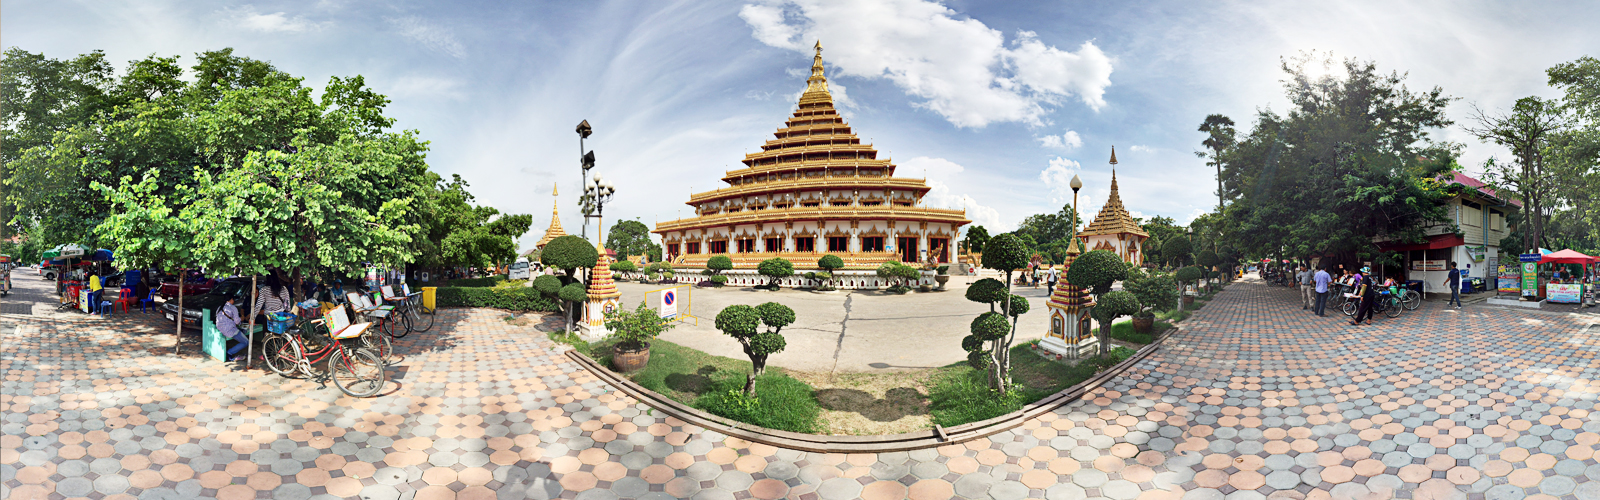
[(1254, 399)]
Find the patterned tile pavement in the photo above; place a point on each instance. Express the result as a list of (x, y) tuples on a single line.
[(1253, 400)]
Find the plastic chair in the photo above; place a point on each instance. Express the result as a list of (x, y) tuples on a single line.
[(125, 298), (148, 301)]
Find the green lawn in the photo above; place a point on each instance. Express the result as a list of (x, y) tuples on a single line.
[(715, 384), (961, 394), (1123, 330)]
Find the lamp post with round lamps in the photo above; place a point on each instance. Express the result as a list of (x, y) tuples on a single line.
[(585, 160), (598, 191), (1076, 185)]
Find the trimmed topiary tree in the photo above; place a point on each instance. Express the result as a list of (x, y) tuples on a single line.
[(574, 295), (743, 323), (1108, 308), (776, 268), (715, 266), (569, 253), (898, 274), (624, 266), (1156, 292), (1096, 271), (1175, 251), (830, 263), (1188, 275), (989, 345), (1207, 259)]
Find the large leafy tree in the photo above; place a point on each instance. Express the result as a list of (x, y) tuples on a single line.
[(1219, 135), (1350, 164), (631, 237)]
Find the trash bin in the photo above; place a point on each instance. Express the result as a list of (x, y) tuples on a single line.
[(428, 295)]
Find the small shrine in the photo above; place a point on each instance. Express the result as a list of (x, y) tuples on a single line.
[(1113, 228), (1069, 305), (604, 298)]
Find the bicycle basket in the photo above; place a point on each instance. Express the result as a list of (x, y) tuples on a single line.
[(279, 322)]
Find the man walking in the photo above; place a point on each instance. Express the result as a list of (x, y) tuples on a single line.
[(1321, 280), (1303, 278), (1454, 282)]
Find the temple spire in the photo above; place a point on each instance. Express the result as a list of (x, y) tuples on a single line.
[(554, 230), (818, 82)]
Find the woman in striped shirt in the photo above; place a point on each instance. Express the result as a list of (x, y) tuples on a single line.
[(271, 297)]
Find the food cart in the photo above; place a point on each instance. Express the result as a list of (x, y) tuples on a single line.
[(5, 275), (1570, 290)]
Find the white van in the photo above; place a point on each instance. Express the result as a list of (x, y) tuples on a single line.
[(519, 270)]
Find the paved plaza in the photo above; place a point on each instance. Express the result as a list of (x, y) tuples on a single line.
[(1252, 399)]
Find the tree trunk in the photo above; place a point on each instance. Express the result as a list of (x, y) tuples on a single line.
[(249, 331), (1105, 339), (999, 353), (177, 345)]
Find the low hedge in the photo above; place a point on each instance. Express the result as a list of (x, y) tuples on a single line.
[(514, 299), (476, 282)]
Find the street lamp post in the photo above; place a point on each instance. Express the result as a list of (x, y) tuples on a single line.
[(585, 160), (598, 191)]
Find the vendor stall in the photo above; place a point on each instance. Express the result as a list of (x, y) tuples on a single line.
[(1563, 287)]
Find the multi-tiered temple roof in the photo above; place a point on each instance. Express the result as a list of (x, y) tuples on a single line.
[(1113, 219)]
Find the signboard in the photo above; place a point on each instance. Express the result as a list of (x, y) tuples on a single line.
[(1530, 257), (1510, 278), (1476, 253), (1428, 265), (1530, 279), (1563, 293), (668, 308)]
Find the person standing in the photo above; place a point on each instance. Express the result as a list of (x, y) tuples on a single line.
[(1453, 280), (1303, 279), (1320, 282), (1368, 294)]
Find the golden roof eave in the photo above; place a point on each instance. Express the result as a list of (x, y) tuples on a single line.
[(957, 217), (828, 183)]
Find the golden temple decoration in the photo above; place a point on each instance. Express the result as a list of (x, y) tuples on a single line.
[(555, 230)]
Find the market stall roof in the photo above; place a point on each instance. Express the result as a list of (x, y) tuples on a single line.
[(1566, 257), (1433, 242), (65, 251), (101, 255)]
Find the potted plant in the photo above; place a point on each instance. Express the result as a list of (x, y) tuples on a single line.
[(1156, 292), (942, 275), (633, 331), (1185, 276)]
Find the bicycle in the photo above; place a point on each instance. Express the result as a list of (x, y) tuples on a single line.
[(356, 371), (410, 309), (1410, 299), (1387, 303)]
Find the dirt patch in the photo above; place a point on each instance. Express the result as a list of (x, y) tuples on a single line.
[(523, 320), (872, 403)]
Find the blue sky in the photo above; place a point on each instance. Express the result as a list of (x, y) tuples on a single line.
[(998, 104)]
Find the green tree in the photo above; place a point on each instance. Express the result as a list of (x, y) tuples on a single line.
[(1004, 253), (631, 237), (744, 323), (1207, 259), (715, 266), (832, 264), (776, 268), (977, 237), (1110, 307), (569, 253), (1219, 135), (1096, 271), (1176, 250), (1156, 293), (150, 232), (1188, 275)]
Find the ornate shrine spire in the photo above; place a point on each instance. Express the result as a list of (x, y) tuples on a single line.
[(1113, 218), (555, 230), (818, 83)]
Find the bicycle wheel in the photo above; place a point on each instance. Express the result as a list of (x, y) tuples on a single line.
[(378, 342), (281, 356), (1412, 300), (358, 372), (1349, 308), (419, 322), (397, 325), (1393, 308)]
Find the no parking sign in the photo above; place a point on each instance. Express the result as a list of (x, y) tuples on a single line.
[(668, 307)]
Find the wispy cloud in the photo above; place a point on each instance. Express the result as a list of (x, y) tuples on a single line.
[(1069, 141), (1141, 149), (433, 37), (427, 87), (249, 18), (1058, 178), (959, 67), (941, 174)]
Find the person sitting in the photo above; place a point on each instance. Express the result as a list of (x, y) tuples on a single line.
[(229, 324)]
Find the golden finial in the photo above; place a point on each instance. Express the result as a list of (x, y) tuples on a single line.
[(818, 82), (1113, 155)]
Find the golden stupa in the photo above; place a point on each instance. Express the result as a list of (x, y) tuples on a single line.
[(555, 230), (813, 190), (1114, 228)]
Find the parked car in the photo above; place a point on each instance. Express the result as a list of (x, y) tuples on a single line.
[(169, 287), (215, 296), (519, 270)]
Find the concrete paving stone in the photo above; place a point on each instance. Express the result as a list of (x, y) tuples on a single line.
[(969, 485), (1012, 490), (1065, 491)]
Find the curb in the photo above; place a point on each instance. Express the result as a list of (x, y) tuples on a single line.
[(816, 443)]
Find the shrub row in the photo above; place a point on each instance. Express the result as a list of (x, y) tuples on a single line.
[(476, 282), (514, 299)]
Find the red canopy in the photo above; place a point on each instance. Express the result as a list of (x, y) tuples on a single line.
[(1566, 257)]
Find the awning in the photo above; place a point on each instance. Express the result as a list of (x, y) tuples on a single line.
[(1434, 242), (1566, 257)]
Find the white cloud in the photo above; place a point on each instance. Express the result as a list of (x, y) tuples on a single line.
[(427, 87), (249, 18), (940, 174), (434, 37), (1142, 149), (1058, 178), (1069, 141), (960, 68), (798, 72)]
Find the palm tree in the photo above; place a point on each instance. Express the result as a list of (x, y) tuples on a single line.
[(1220, 136)]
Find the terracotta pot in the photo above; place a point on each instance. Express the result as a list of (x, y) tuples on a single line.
[(630, 361), (1143, 325), (1188, 300)]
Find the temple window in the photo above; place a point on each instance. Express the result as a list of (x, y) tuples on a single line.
[(719, 247), (872, 244), (774, 244), (838, 243), (672, 248), (806, 244), (747, 245), (693, 247), (811, 204)]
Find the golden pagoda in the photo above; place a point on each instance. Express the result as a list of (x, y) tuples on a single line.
[(813, 190), (555, 230), (1113, 228), (604, 298)]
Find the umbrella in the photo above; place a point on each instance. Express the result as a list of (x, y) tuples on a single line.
[(65, 251), (1566, 257), (101, 255)]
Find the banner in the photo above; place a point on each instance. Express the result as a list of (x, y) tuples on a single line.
[(1563, 293), (1530, 279), (1510, 278), (1428, 265)]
